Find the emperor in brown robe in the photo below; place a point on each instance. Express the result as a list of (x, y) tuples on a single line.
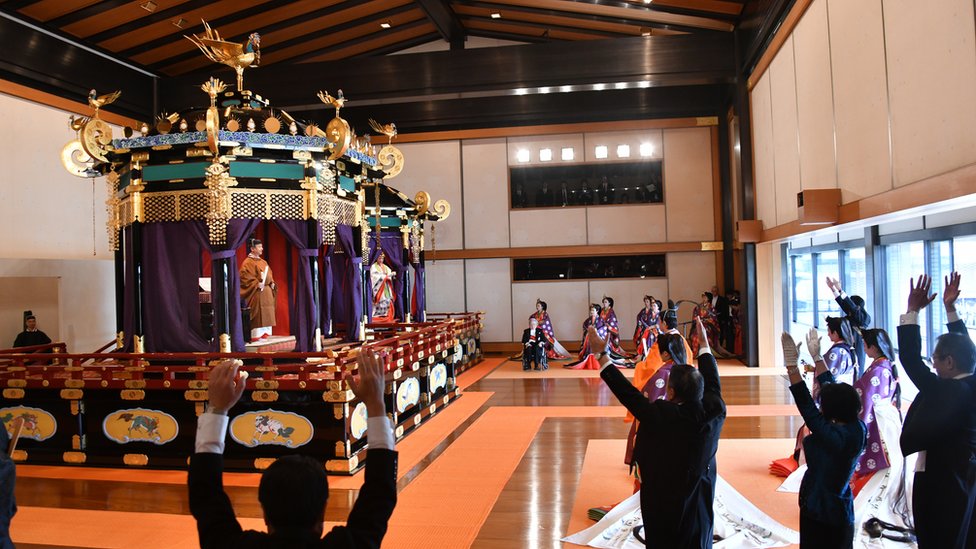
[(258, 290)]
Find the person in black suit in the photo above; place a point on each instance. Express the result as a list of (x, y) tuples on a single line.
[(293, 491), (534, 346), (857, 315), (941, 423), (723, 313), (543, 197), (837, 438), (564, 194), (675, 448)]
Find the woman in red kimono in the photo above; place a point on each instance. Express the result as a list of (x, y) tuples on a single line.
[(613, 329), (555, 350), (648, 326), (706, 313)]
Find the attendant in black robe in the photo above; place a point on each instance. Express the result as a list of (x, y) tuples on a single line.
[(31, 337), (675, 449), (565, 196), (543, 197), (518, 197), (941, 424)]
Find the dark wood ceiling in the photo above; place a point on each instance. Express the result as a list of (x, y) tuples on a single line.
[(298, 31)]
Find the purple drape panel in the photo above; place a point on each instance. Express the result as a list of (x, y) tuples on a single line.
[(170, 279), (302, 311), (420, 292), (348, 297), (238, 230), (392, 245), (128, 315)]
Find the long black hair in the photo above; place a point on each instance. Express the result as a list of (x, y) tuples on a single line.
[(674, 345), (877, 337), (597, 307), (840, 325), (543, 303), (609, 300)]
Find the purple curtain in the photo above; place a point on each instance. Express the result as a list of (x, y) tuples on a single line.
[(238, 231), (171, 299), (325, 290), (302, 311), (348, 282), (392, 245), (128, 314), (420, 291)]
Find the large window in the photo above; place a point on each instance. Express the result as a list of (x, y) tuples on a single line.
[(569, 268), (587, 184), (965, 262), (902, 262), (810, 300)]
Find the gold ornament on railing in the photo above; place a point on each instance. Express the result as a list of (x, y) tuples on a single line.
[(218, 181), (213, 88)]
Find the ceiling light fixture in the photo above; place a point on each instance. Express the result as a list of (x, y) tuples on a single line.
[(623, 151), (645, 31), (545, 155), (648, 1), (522, 155), (599, 87), (385, 25), (601, 151), (149, 6), (496, 15), (568, 153), (646, 149)]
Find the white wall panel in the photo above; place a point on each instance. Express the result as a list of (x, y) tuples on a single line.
[(436, 168), (931, 83), (38, 294), (567, 304), (548, 227), (485, 193), (815, 109), (762, 135), (688, 187), (857, 46), (769, 306), (489, 289), (690, 274), (87, 319), (785, 147), (445, 286), (626, 224), (44, 211), (628, 298), (534, 144), (632, 138)]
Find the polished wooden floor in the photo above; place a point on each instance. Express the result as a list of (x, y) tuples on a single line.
[(534, 507)]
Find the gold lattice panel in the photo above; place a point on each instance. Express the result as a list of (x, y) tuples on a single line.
[(250, 205), (193, 205), (345, 211), (288, 206), (161, 207), (125, 212)]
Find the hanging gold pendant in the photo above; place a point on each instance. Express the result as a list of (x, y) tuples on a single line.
[(213, 124), (391, 161), (339, 136), (96, 138)]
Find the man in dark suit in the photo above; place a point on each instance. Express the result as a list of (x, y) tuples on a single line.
[(293, 491), (534, 347), (543, 197), (675, 448), (723, 313), (857, 315), (941, 423)]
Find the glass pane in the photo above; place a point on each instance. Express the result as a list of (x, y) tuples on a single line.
[(803, 289), (940, 265), (827, 265), (855, 279), (587, 184), (902, 262), (617, 266), (964, 252)]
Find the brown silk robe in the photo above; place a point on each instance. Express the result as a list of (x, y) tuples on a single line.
[(262, 303)]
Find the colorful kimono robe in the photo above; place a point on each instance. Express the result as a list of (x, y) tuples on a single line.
[(876, 389), (586, 359), (645, 334), (840, 362), (253, 271), (707, 314), (653, 389), (554, 350), (381, 280), (613, 327)]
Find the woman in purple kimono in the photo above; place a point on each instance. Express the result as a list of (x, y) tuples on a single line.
[(587, 360), (555, 350), (613, 329), (839, 359), (648, 325)]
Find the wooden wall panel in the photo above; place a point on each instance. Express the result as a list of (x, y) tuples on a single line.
[(632, 224), (931, 53), (445, 286), (435, 168), (785, 145), (762, 135), (489, 289), (860, 92), (770, 305), (486, 201), (688, 185), (814, 100), (690, 274), (548, 227)]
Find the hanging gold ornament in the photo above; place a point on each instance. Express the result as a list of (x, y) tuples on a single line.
[(96, 139), (391, 161)]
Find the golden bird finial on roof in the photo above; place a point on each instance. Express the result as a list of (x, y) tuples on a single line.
[(338, 102), (98, 101), (234, 55), (389, 130)]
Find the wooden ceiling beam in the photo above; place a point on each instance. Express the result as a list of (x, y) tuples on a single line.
[(84, 13), (613, 29), (363, 45), (445, 20), (506, 36), (583, 7), (169, 14), (552, 32)]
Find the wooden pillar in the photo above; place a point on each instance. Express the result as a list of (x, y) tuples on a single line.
[(138, 330)]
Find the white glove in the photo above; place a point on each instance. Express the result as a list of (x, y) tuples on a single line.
[(813, 344)]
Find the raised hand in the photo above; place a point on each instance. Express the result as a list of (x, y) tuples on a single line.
[(813, 344), (370, 381), (833, 284), (226, 385), (702, 333), (919, 296), (791, 351), (597, 344), (951, 292)]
